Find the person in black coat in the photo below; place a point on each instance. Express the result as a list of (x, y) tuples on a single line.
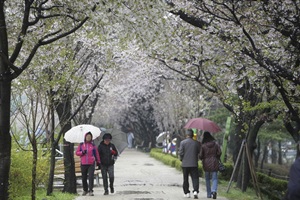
[(108, 153), (293, 191)]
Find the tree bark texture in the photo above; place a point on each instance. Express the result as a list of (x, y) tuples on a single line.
[(63, 109), (5, 91), (5, 138)]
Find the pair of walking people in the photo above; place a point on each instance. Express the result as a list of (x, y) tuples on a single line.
[(103, 156), (190, 151)]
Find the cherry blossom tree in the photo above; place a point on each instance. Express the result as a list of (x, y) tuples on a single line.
[(40, 24), (241, 44)]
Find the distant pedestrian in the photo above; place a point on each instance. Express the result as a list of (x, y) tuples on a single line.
[(210, 155), (293, 191), (130, 138), (165, 146), (189, 150), (88, 156), (108, 153)]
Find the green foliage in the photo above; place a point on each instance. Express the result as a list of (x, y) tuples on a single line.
[(173, 161), (165, 158), (41, 195), (237, 194), (219, 116), (272, 187), (274, 131), (227, 173), (21, 172)]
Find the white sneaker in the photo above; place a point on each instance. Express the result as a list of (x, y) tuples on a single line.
[(195, 195), (187, 195)]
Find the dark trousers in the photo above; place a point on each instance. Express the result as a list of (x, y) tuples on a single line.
[(110, 171), (87, 171), (193, 172)]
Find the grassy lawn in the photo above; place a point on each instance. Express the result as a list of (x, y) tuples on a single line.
[(41, 195), (235, 193)]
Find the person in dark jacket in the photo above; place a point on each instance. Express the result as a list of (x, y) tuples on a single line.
[(108, 153), (210, 155), (88, 156), (293, 191), (189, 150)]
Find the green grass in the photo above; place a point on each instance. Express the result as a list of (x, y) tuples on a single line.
[(235, 193), (41, 195)]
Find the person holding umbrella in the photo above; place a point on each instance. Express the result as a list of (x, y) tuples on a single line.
[(108, 154), (189, 150), (88, 156), (210, 156)]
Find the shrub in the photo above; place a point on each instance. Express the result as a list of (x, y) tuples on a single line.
[(226, 175), (21, 172), (171, 160), (274, 188)]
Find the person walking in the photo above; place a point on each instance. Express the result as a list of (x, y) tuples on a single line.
[(188, 152), (88, 156), (210, 155), (293, 186), (130, 139), (108, 153)]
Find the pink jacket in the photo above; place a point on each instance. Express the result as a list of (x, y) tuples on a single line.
[(91, 156)]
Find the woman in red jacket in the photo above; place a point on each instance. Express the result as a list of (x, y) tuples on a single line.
[(89, 154), (210, 155)]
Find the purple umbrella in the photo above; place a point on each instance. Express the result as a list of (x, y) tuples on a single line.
[(203, 124)]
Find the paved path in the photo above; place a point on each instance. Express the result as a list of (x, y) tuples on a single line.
[(140, 177)]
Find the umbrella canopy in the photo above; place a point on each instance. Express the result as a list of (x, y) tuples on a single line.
[(160, 138), (119, 139), (203, 124), (77, 133)]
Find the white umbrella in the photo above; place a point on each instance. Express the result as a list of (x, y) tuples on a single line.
[(161, 137), (77, 133)]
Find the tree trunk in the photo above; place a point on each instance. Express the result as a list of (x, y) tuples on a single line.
[(63, 110), (54, 144), (274, 153), (5, 137), (245, 173), (52, 167), (265, 156), (5, 92), (34, 166), (257, 155), (69, 163), (279, 153), (237, 139)]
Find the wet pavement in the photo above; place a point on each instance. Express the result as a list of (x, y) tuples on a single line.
[(140, 177)]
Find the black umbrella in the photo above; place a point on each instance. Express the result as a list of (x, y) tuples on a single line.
[(119, 138)]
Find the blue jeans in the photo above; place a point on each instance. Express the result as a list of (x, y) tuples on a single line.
[(214, 177)]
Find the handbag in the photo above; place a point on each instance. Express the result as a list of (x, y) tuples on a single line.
[(221, 167)]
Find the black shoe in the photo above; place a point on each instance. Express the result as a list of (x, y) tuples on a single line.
[(112, 190), (91, 194), (106, 193), (214, 195)]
